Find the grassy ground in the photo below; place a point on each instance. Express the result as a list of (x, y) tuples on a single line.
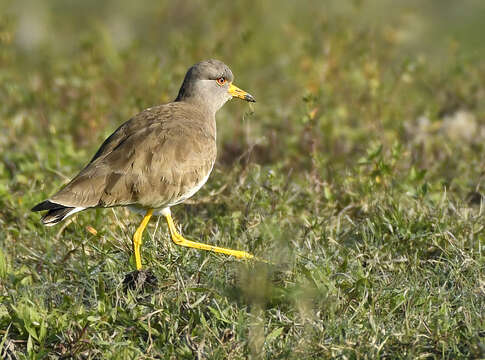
[(359, 173)]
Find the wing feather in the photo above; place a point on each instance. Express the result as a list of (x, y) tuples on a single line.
[(152, 160)]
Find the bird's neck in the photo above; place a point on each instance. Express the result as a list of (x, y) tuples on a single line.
[(200, 103), (205, 116)]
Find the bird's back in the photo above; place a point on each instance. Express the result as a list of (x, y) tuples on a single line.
[(153, 160)]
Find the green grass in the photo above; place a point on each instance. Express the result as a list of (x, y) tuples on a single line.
[(359, 172)]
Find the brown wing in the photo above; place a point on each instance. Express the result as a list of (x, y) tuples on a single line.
[(151, 161)]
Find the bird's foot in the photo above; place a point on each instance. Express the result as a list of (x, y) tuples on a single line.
[(140, 280)]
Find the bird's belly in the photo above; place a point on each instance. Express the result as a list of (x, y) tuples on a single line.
[(142, 207), (193, 190)]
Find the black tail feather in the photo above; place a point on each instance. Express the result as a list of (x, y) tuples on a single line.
[(47, 205), (56, 212), (56, 215)]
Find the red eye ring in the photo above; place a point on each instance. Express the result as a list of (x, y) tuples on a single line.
[(221, 80)]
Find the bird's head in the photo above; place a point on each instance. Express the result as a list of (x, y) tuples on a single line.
[(210, 83)]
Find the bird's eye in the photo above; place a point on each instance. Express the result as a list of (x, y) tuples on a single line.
[(221, 80)]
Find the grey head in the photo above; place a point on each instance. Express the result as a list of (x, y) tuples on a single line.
[(209, 84)]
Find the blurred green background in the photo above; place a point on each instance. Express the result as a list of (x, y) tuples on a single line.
[(359, 172)]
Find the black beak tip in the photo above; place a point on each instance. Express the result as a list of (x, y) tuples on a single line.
[(249, 98)]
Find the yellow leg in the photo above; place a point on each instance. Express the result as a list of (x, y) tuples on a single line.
[(138, 237), (180, 240)]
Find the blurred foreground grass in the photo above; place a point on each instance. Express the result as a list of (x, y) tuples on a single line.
[(359, 172)]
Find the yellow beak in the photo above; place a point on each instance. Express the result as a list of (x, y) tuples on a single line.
[(236, 92)]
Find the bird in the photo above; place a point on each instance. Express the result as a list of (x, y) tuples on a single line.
[(158, 159)]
